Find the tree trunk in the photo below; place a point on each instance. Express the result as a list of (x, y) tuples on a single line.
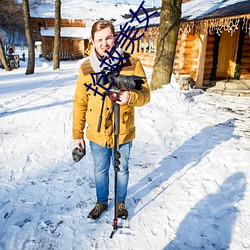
[(56, 59), (3, 57), (29, 38), (168, 34)]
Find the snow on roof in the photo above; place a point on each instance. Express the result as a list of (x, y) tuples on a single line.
[(92, 10), (153, 20), (195, 10), (79, 32), (83, 10)]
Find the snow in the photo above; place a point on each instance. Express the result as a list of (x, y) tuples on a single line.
[(189, 169), (84, 10), (93, 10), (79, 32), (191, 10), (197, 9)]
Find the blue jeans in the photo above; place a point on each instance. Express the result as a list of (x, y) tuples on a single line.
[(102, 158)]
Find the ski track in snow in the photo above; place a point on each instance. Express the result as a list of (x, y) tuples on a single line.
[(45, 197)]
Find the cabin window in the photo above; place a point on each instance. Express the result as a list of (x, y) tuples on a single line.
[(146, 45), (152, 45)]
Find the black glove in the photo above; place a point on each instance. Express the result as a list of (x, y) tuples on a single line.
[(78, 153)]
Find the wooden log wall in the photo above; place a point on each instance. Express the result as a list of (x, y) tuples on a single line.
[(186, 55), (209, 75), (209, 57), (178, 61), (146, 59), (245, 60), (73, 45), (50, 22), (47, 45), (66, 44), (79, 46), (187, 50), (144, 50)]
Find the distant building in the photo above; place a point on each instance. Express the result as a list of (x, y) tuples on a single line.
[(77, 19)]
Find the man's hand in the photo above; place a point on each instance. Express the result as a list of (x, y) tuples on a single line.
[(79, 143), (79, 151), (123, 97)]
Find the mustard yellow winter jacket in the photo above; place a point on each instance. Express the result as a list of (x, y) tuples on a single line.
[(87, 107)]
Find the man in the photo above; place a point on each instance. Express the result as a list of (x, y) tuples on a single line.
[(87, 106)]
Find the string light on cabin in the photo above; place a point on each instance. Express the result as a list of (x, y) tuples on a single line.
[(246, 25), (226, 24), (186, 28), (218, 26)]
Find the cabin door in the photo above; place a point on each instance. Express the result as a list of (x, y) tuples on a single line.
[(227, 55)]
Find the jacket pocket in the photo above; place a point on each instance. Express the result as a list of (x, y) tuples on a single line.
[(127, 120)]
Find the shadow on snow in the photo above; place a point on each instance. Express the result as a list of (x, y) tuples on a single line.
[(23, 110), (189, 155), (210, 223)]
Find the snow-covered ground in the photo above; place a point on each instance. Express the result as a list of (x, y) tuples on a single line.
[(189, 169)]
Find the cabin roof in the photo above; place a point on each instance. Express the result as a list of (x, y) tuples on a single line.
[(92, 10), (196, 10), (77, 32), (209, 9), (82, 10)]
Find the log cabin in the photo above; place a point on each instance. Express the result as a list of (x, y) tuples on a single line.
[(77, 18), (74, 37), (213, 45), (213, 42)]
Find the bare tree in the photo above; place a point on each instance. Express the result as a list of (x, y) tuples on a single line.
[(3, 57), (11, 24), (56, 59), (169, 27), (11, 16), (28, 33)]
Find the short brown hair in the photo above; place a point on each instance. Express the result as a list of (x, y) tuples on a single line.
[(101, 24)]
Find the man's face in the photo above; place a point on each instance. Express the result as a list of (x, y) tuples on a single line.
[(103, 40)]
